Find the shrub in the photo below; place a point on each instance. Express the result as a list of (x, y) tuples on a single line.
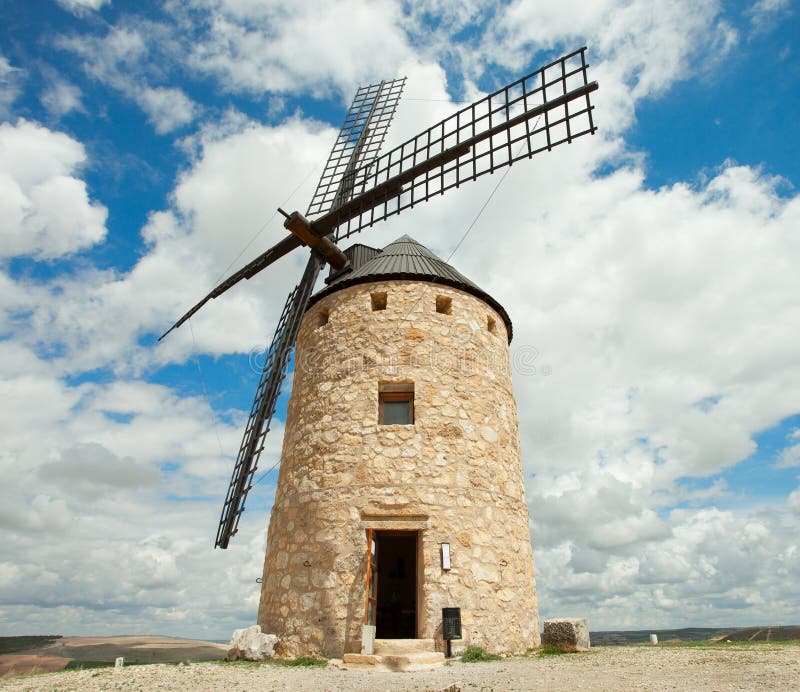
[(475, 654)]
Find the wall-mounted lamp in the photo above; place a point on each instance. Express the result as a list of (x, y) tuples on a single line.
[(445, 556)]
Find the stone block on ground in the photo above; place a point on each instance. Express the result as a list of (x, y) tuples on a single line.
[(570, 634), (251, 644)]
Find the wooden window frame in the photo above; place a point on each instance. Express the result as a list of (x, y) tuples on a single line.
[(396, 392)]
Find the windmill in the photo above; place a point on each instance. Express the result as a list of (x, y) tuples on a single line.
[(360, 187)]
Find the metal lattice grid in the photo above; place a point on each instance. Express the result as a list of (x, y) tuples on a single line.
[(263, 408), (490, 134), (357, 146)]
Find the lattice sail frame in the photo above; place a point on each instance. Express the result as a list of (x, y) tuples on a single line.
[(263, 408), (357, 146), (489, 134), (359, 142)]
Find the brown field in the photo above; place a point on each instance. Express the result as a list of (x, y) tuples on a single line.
[(56, 654)]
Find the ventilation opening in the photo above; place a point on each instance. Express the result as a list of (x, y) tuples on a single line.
[(378, 300), (491, 325), (323, 316), (444, 305), (396, 404)]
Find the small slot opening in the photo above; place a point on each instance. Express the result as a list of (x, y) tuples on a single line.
[(444, 305), (323, 316), (378, 300), (491, 325)]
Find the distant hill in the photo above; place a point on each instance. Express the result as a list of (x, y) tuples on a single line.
[(764, 634), (696, 634), (686, 634), (9, 645)]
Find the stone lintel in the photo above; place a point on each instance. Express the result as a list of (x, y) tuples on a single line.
[(395, 522)]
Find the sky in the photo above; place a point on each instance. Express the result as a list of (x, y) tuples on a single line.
[(650, 271)]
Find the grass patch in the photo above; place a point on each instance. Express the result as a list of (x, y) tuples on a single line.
[(84, 665), (549, 650), (475, 654), (300, 661)]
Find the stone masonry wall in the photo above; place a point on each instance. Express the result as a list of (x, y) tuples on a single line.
[(455, 474)]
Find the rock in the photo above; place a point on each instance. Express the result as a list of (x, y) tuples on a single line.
[(567, 635), (250, 643)]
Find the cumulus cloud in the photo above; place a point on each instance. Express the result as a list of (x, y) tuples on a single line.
[(117, 509), (45, 210), (61, 97), (96, 319), (93, 469), (789, 457), (765, 13), (167, 109), (253, 46), (128, 58), (10, 85), (81, 7)]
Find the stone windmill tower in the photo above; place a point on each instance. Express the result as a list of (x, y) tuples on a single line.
[(400, 489), (402, 420)]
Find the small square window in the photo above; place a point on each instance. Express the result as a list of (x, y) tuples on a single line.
[(322, 317), (378, 300), (396, 404), (491, 325), (444, 305)]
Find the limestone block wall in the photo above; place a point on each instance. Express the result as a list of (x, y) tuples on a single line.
[(454, 475)]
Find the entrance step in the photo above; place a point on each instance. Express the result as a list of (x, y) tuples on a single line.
[(415, 660), (385, 647)]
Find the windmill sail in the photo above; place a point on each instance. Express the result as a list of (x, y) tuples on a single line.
[(357, 146), (360, 139), (269, 387), (277, 251), (546, 108)]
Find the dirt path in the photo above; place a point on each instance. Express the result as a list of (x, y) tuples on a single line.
[(735, 667)]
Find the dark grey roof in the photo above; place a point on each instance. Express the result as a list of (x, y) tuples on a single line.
[(405, 258)]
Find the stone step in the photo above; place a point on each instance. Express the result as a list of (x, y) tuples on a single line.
[(418, 660), (403, 646)]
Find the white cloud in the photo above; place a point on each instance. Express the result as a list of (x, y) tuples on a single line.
[(10, 85), (254, 46), (45, 211), (117, 509), (789, 457), (764, 14), (81, 7), (61, 97), (167, 109), (96, 318), (128, 59)]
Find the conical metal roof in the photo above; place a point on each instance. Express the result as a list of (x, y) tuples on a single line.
[(404, 258)]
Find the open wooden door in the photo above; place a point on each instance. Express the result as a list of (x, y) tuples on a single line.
[(371, 577)]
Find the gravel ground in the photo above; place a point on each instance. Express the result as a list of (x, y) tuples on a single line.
[(736, 667)]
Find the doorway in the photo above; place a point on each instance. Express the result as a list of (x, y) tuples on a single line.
[(396, 607)]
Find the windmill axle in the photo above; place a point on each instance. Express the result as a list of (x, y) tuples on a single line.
[(301, 227)]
